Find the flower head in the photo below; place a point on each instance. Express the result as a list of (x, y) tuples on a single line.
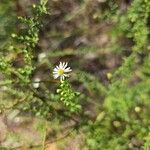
[(41, 56), (61, 71), (36, 82)]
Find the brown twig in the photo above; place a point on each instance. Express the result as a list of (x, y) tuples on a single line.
[(60, 138)]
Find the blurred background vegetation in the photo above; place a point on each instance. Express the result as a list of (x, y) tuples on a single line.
[(106, 43)]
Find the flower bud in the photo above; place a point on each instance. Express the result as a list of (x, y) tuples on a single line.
[(137, 109)]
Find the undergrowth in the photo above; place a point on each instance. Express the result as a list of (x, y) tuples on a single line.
[(121, 102)]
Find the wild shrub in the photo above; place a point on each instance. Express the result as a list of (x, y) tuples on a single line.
[(122, 104)]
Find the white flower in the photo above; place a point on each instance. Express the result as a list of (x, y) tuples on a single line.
[(36, 82), (61, 71), (41, 56)]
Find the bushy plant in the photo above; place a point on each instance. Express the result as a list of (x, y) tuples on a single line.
[(121, 103)]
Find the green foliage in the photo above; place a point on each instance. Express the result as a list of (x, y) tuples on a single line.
[(123, 96), (147, 143), (28, 38), (23, 46), (138, 15), (69, 97), (7, 21), (121, 102)]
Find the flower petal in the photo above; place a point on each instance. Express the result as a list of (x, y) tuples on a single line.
[(61, 65), (55, 76), (55, 72), (55, 69), (66, 75), (68, 69), (65, 65)]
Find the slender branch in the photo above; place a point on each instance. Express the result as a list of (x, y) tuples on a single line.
[(44, 137), (14, 82), (61, 138), (12, 106)]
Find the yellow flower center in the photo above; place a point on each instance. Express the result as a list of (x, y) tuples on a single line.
[(60, 72)]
